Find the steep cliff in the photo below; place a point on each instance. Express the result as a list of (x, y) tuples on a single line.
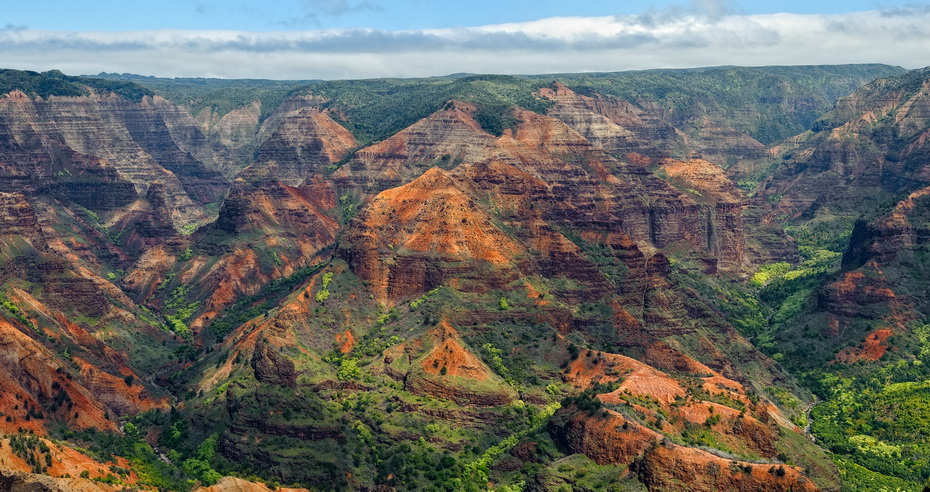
[(871, 147), (264, 231), (444, 139), (306, 142), (419, 236), (86, 147), (611, 123)]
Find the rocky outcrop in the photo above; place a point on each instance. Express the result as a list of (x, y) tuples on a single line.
[(611, 123), (278, 229), (233, 484), (609, 438), (449, 357), (416, 237), (895, 236), (18, 219), (16, 481), (461, 394), (306, 142), (450, 370), (854, 292), (272, 367), (79, 146), (875, 139), (540, 178), (444, 139), (676, 468), (724, 203)]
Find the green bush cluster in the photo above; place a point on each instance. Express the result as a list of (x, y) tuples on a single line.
[(323, 294), (16, 312)]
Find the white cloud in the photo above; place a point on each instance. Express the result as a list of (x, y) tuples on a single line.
[(567, 44)]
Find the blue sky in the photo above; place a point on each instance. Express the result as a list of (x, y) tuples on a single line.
[(275, 15), (309, 39), (289, 15)]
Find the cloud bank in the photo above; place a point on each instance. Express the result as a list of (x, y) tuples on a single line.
[(564, 44)]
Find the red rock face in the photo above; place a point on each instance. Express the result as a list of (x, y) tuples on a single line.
[(413, 238), (542, 176), (874, 139), (66, 462), (233, 484), (444, 139), (612, 124), (306, 142), (725, 203), (671, 467), (441, 365), (34, 380), (450, 357), (854, 291), (291, 222), (608, 437), (96, 143)]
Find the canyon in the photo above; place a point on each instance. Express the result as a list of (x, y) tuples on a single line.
[(538, 282)]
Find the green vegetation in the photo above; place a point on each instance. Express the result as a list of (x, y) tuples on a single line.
[(416, 303), (348, 207), (16, 312), (495, 118), (199, 465), (873, 417), (767, 273), (55, 83), (348, 369), (152, 471), (251, 306), (877, 422), (477, 472), (219, 95), (503, 304), (768, 93), (323, 294), (377, 108), (578, 472)]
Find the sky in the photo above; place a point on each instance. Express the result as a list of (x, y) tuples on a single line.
[(335, 39)]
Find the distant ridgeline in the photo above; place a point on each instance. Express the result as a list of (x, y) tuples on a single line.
[(55, 83), (786, 100)]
